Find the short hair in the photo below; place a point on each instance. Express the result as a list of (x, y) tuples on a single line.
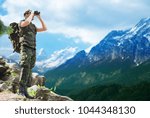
[(26, 12)]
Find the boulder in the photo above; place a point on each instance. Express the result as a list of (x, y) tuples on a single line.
[(15, 85), (33, 90), (3, 87), (15, 80), (14, 69), (13, 66), (37, 80), (2, 62), (5, 77), (47, 95), (42, 80), (3, 70), (1, 81), (43, 94)]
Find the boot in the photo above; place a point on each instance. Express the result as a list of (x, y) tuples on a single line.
[(14, 88), (23, 91)]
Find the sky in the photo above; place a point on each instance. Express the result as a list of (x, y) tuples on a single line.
[(78, 24)]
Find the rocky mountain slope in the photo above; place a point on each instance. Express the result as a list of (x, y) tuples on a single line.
[(133, 44), (9, 79)]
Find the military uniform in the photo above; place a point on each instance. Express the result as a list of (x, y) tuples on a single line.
[(28, 55)]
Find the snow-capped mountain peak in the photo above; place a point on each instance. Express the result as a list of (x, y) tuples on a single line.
[(133, 44), (41, 51), (142, 25), (41, 55), (55, 59)]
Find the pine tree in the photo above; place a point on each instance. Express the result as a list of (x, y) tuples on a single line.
[(4, 29)]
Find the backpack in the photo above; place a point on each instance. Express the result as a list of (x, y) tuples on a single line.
[(15, 36)]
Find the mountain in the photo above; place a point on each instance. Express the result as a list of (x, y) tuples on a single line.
[(133, 44), (57, 58), (122, 58), (15, 57), (41, 55)]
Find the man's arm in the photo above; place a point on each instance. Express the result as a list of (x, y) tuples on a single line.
[(43, 28), (27, 21)]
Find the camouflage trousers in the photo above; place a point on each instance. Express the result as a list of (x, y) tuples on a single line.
[(27, 62)]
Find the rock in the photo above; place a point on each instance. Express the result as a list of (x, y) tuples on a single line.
[(3, 69), (33, 90), (2, 63), (13, 66), (5, 74), (35, 75), (38, 80), (15, 80), (41, 80), (5, 77), (1, 81), (55, 97), (9, 96), (46, 95), (43, 94), (3, 87), (14, 69), (15, 85)]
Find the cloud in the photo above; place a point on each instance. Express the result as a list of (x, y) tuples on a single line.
[(85, 20), (91, 36)]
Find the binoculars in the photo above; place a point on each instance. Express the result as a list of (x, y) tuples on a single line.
[(36, 12)]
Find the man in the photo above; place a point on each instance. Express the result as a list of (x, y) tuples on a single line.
[(28, 49)]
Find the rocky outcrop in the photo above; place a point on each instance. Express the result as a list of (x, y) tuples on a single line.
[(3, 68), (3, 87), (37, 79), (9, 81), (45, 94)]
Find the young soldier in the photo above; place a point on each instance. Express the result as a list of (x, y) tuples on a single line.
[(28, 49)]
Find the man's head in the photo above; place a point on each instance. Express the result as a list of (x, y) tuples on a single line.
[(27, 13)]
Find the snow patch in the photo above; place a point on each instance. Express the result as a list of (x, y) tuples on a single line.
[(147, 36), (136, 29)]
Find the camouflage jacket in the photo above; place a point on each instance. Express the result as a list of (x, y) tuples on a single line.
[(28, 36)]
